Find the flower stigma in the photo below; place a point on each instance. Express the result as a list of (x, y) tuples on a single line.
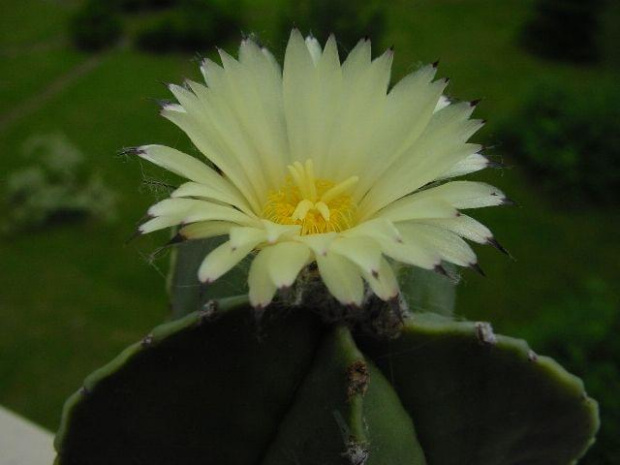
[(317, 205)]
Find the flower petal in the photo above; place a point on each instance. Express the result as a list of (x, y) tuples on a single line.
[(221, 260), (205, 229), (275, 231), (300, 92), (314, 48), (363, 99), (342, 278), (318, 243), (363, 251), (441, 146), (326, 99), (262, 289), (447, 244), (161, 222), (383, 283), (412, 254), (193, 210), (182, 164), (254, 94), (287, 260), (471, 164), (241, 235), (464, 226), (210, 141), (380, 229), (466, 194), (442, 103), (357, 61), (415, 207), (408, 109), (211, 192)]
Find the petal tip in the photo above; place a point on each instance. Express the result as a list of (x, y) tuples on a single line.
[(440, 270), (129, 151), (476, 267), (138, 232), (494, 243), (177, 239), (509, 202), (495, 164)]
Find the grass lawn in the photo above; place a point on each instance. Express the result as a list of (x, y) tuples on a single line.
[(73, 295)]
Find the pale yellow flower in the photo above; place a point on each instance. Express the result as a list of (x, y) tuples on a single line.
[(320, 162)]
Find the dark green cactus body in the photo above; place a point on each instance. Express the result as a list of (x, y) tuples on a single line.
[(187, 294), (211, 388)]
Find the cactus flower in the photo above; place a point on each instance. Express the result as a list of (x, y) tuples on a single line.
[(322, 162)]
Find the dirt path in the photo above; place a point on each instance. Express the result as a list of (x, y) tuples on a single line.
[(36, 101), (49, 44)]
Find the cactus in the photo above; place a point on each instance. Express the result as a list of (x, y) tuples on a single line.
[(336, 370), (213, 387)]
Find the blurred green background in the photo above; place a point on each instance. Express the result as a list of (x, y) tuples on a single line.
[(79, 79)]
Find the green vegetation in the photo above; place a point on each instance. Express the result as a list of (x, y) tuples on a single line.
[(590, 322), (348, 20), (145, 5), (96, 26), (569, 142), (565, 29), (75, 295), (193, 25), (55, 187), (157, 26)]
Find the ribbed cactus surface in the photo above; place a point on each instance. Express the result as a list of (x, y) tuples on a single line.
[(214, 388)]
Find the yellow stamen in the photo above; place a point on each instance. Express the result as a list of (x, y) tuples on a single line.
[(302, 209), (317, 205), (323, 209)]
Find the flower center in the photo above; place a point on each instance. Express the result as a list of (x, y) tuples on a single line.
[(317, 205)]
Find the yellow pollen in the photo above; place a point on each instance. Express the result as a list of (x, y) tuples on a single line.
[(317, 205)]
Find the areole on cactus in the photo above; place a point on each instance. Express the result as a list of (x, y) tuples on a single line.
[(336, 190)]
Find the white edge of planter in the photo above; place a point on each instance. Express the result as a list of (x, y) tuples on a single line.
[(22, 442)]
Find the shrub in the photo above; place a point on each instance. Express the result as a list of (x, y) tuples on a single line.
[(565, 29), (570, 142), (349, 20), (142, 5), (95, 26), (56, 187), (581, 333), (193, 26)]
